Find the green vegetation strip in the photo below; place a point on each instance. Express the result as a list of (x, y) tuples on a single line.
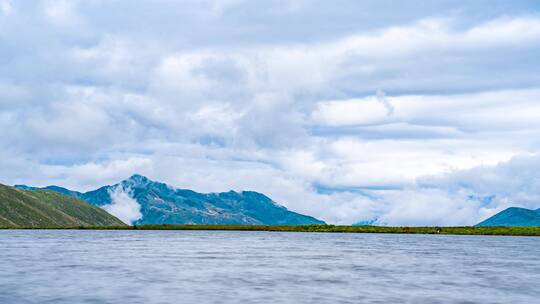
[(523, 231)]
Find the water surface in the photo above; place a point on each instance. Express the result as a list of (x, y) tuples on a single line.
[(83, 266)]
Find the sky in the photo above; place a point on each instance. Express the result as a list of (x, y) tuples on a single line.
[(386, 112)]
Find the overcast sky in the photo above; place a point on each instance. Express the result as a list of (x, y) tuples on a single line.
[(388, 111)]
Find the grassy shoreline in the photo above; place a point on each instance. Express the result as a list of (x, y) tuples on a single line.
[(513, 231)]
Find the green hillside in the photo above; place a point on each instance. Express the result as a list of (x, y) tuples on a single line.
[(22, 208)]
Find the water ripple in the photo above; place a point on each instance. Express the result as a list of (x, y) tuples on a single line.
[(70, 266)]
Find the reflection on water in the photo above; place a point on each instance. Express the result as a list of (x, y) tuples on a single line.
[(65, 266)]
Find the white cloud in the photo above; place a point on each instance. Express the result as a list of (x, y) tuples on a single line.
[(512, 183), (365, 111), (6, 7), (476, 111), (503, 31), (463, 197), (212, 95), (428, 207), (61, 12), (91, 175), (123, 206)]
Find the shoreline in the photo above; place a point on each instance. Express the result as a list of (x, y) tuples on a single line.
[(464, 230)]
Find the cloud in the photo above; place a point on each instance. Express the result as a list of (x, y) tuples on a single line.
[(91, 175), (428, 207), (6, 7), (482, 111), (512, 183), (123, 206), (463, 197), (214, 95), (364, 111), (61, 12)]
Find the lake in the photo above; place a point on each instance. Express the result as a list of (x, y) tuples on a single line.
[(86, 266)]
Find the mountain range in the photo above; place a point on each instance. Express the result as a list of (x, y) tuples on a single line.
[(38, 209), (514, 216), (139, 200)]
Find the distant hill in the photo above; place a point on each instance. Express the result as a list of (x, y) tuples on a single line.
[(23, 208), (371, 222), (163, 204), (514, 217)]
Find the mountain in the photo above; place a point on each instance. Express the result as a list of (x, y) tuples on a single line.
[(370, 222), (52, 188), (514, 217), (159, 203), (24, 208)]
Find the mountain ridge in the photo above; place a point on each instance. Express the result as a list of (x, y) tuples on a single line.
[(162, 204)]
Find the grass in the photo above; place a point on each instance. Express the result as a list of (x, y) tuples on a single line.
[(21, 208), (515, 231)]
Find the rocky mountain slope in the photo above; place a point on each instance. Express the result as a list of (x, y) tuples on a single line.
[(159, 203)]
